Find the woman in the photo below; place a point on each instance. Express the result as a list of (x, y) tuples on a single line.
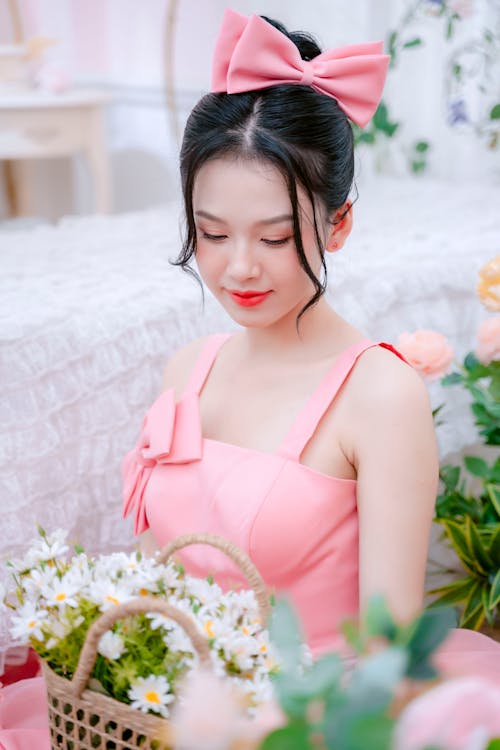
[(299, 439), (319, 436)]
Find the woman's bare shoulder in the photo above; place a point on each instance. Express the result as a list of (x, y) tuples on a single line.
[(380, 374), (180, 364)]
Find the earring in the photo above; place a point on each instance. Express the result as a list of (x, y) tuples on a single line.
[(334, 245)]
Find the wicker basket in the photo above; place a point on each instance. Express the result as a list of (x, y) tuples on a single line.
[(82, 719)]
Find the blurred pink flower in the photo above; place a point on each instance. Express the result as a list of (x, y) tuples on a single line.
[(463, 8), (210, 713), (428, 351), (52, 78), (460, 714), (488, 337)]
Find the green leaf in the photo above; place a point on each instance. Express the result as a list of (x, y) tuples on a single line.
[(449, 27), (367, 137), (495, 472), (452, 593), (494, 388), (380, 117), (476, 466), (321, 677), (418, 166), (416, 42), (285, 632), (422, 147), (382, 670), (493, 745), (431, 629), (458, 539), (295, 736), (494, 550), (495, 592), (452, 379), (378, 620), (374, 732), (471, 361), (478, 550), (450, 475), (391, 128), (495, 112), (494, 495), (474, 620)]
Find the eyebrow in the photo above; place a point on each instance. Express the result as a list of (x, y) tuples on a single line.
[(272, 220)]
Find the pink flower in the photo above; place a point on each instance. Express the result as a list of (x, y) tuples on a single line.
[(488, 337), (460, 714), (210, 714), (463, 8), (428, 351), (52, 78)]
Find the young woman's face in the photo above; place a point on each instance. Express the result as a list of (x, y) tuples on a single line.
[(245, 250)]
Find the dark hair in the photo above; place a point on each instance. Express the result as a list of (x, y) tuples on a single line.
[(302, 132)]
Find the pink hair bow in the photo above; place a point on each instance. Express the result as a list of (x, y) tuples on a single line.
[(252, 54)]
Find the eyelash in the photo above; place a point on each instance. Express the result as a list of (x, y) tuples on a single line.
[(220, 237)]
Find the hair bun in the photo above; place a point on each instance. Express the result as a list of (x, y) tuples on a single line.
[(305, 42)]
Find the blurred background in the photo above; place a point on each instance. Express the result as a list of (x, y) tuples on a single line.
[(148, 62)]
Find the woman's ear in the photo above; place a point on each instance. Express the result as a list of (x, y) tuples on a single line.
[(341, 228)]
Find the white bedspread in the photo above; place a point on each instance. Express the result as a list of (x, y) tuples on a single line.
[(90, 311)]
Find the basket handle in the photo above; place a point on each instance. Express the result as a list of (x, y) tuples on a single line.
[(136, 606), (234, 553)]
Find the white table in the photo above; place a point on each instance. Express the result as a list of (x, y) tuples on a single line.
[(40, 125)]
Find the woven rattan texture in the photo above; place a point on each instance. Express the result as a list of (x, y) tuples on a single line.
[(97, 722)]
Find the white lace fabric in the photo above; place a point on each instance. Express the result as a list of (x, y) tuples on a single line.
[(91, 309)]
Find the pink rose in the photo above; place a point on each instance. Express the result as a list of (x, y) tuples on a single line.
[(460, 714), (488, 337), (428, 351)]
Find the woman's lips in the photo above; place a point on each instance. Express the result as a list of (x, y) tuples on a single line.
[(248, 299)]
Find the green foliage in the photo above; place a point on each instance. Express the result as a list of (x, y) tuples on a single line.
[(379, 127), (471, 520), (327, 708)]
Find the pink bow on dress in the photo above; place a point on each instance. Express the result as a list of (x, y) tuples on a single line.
[(170, 434), (252, 54)]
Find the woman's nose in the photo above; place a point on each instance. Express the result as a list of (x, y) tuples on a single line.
[(242, 263)]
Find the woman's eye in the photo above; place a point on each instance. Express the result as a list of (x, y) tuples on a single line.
[(214, 236), (277, 242)]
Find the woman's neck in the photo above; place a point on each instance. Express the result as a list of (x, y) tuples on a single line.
[(321, 331)]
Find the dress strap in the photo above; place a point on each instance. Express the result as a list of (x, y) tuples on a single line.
[(205, 361), (305, 424)]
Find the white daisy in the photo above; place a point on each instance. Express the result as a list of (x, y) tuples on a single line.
[(240, 649), (111, 645), (58, 626), (151, 694), (37, 580), (208, 594), (176, 639), (27, 623), (61, 592), (52, 545), (106, 593)]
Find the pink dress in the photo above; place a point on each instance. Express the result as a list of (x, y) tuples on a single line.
[(299, 526)]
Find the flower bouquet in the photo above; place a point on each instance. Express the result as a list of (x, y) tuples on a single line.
[(117, 633)]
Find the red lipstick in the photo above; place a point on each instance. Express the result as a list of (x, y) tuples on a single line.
[(249, 298)]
